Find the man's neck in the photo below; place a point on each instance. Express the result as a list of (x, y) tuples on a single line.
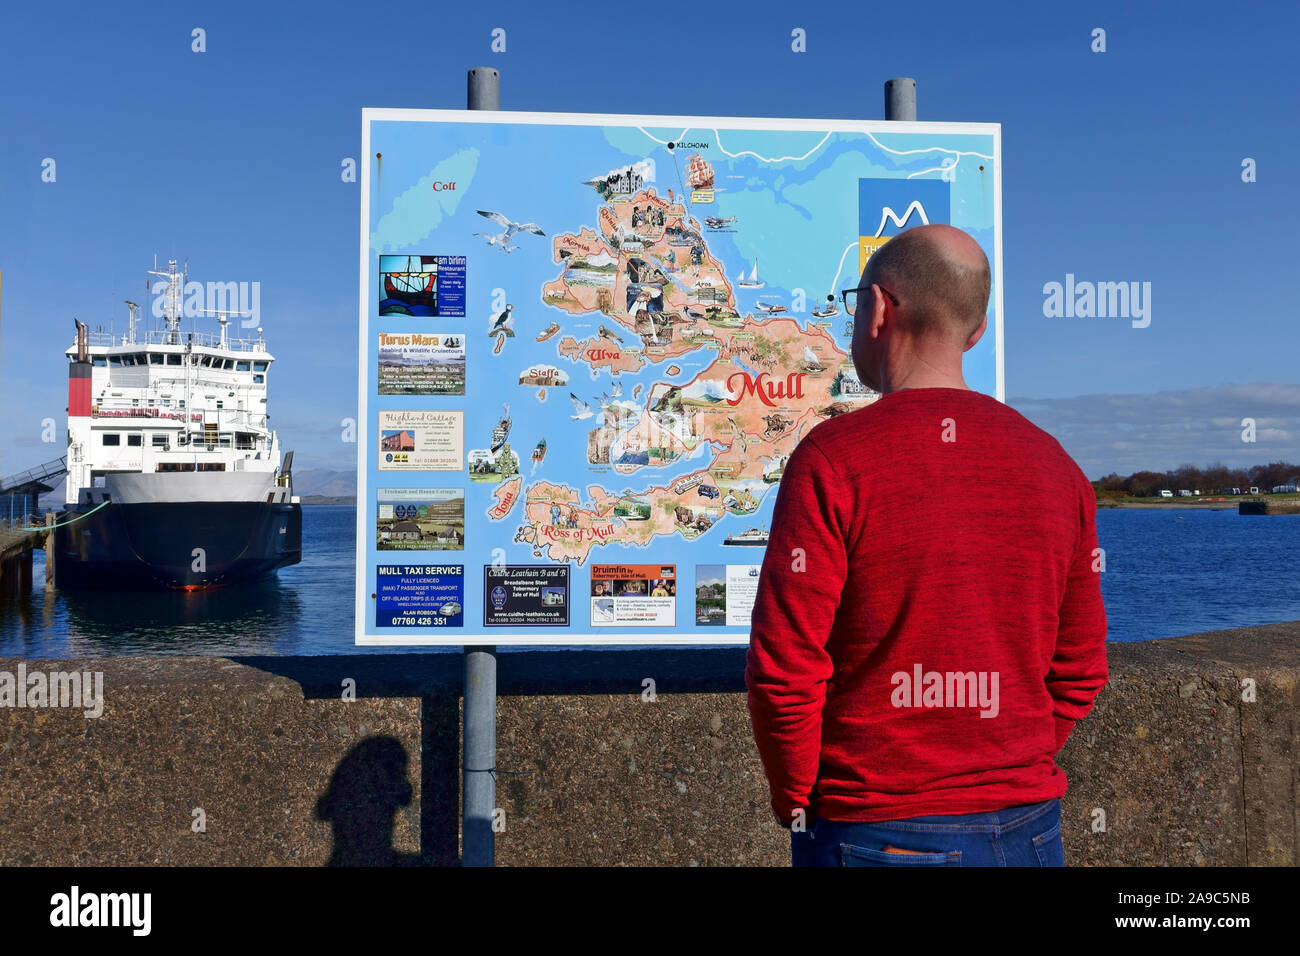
[(919, 373)]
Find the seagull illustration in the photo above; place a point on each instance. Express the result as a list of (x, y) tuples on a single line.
[(502, 239), (580, 408), (604, 400), (616, 389), (499, 323)]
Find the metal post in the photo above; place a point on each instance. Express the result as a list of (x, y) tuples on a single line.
[(479, 709), (900, 99), (484, 88)]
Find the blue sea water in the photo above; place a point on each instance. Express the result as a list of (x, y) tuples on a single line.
[(1168, 572)]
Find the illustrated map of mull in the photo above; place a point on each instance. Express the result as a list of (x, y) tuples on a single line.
[(643, 272)]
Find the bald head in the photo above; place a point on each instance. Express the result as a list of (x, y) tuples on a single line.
[(940, 276)]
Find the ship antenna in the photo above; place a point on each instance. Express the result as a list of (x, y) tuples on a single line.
[(174, 292), (134, 310)]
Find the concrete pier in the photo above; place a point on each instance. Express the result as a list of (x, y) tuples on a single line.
[(1190, 757), (16, 562), (1269, 506)]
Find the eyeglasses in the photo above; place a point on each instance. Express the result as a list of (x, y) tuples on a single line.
[(850, 297)]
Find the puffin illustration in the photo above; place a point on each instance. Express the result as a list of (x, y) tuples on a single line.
[(499, 324)]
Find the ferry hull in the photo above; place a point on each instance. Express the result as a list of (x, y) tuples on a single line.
[(155, 545)]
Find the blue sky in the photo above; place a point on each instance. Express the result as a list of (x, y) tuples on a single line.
[(1117, 166)]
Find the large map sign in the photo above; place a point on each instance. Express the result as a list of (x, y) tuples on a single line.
[(589, 344)]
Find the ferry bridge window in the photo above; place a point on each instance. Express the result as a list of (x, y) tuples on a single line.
[(229, 363), (134, 441), (128, 359), (99, 361), (141, 358), (159, 441), (259, 380), (173, 359), (155, 358), (241, 366), (115, 360), (111, 439), (259, 366)]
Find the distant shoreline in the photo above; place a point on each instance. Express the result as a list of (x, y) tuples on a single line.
[(329, 500), (1230, 504)]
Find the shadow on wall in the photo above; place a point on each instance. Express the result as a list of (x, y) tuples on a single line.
[(371, 785), (368, 788)]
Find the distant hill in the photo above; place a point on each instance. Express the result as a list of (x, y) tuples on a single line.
[(324, 482)]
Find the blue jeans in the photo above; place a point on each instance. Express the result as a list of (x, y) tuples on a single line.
[(1017, 836)]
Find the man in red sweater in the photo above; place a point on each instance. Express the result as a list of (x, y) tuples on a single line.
[(928, 625)]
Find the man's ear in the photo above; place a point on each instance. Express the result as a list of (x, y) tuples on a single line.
[(977, 334), (877, 312)]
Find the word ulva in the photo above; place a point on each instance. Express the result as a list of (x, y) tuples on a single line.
[(1102, 300)]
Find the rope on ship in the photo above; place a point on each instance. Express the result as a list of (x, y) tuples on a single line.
[(46, 527)]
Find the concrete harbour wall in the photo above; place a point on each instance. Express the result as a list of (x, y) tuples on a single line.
[(1173, 763)]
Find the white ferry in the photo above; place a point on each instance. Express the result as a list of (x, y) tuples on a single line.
[(175, 478)]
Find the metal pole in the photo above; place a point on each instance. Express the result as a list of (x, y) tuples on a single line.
[(484, 89), (479, 711), (900, 99)]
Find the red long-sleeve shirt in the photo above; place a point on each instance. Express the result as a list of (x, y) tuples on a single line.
[(934, 532)]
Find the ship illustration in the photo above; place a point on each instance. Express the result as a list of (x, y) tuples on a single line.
[(408, 293), (174, 478), (540, 451), (753, 281), (502, 430), (753, 537), (699, 173), (547, 332)]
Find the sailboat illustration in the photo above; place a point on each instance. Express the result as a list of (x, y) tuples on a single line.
[(753, 281)]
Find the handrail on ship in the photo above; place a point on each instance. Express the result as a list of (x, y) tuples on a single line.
[(163, 337)]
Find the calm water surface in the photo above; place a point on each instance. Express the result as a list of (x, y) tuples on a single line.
[(1167, 573)]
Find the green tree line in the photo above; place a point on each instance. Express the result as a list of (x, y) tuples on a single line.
[(1216, 479)]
